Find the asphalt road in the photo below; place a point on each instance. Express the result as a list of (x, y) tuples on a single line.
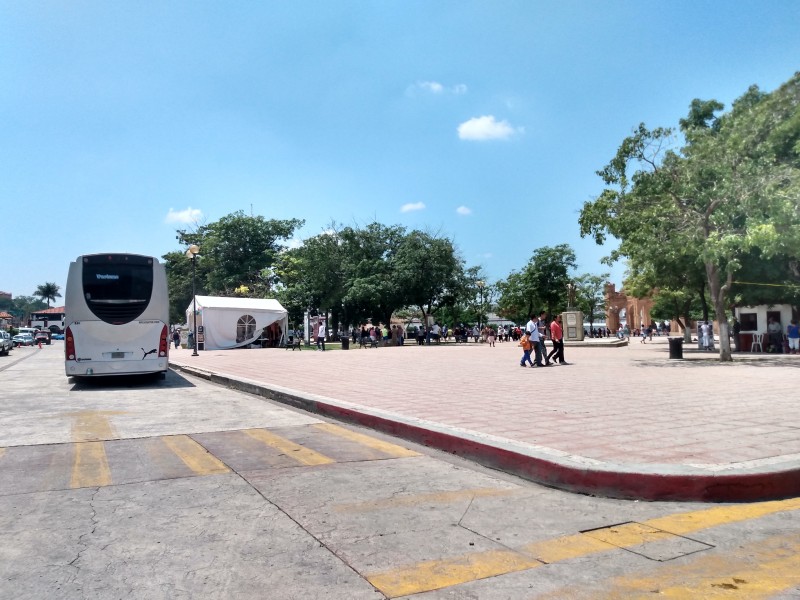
[(184, 489)]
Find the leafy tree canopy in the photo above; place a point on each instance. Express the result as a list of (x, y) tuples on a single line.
[(730, 190), (47, 292)]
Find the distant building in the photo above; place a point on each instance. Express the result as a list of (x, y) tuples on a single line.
[(49, 318)]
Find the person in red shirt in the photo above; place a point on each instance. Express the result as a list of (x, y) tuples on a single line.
[(557, 337)]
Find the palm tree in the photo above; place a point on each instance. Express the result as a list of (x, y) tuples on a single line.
[(47, 292)]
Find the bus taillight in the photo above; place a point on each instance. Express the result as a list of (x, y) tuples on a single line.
[(69, 345), (163, 344)]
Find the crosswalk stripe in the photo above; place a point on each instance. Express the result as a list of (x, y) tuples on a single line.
[(90, 468), (436, 574), (365, 440), (294, 451), (194, 456)]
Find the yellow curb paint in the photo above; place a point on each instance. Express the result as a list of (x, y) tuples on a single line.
[(294, 451), (703, 519), (90, 468), (194, 456), (565, 548), (756, 571), (2, 452), (417, 499), (387, 448), (436, 574)]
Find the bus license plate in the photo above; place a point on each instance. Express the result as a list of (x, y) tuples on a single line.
[(117, 355)]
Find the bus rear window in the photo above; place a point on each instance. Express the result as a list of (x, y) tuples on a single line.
[(117, 287)]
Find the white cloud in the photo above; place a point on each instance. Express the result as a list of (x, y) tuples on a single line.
[(188, 216), (464, 210), (486, 128), (435, 88), (412, 206), (294, 242)]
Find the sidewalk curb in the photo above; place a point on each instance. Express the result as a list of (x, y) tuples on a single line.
[(553, 468)]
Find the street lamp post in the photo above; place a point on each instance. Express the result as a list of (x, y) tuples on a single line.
[(480, 285), (192, 253)]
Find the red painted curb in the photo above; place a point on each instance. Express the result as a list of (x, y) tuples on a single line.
[(623, 484), (749, 487)]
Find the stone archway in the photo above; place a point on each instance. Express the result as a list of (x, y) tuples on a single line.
[(637, 310)]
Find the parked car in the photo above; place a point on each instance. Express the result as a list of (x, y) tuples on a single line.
[(5, 343), (41, 337), (23, 339)]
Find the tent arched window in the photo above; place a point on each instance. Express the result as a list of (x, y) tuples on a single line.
[(245, 328)]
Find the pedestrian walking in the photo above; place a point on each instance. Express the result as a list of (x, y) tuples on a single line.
[(532, 328), (321, 331), (543, 337), (525, 343), (557, 337), (705, 328), (793, 335)]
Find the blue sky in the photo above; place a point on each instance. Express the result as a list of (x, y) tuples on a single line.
[(121, 122)]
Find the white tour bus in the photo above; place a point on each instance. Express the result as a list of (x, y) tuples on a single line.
[(117, 311)]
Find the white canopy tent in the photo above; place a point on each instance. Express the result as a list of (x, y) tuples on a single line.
[(236, 322)]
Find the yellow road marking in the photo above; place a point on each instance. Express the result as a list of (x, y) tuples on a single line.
[(756, 571), (416, 499), (90, 468), (567, 547), (92, 425), (365, 440), (436, 574), (194, 456), (703, 519), (2, 452), (297, 452)]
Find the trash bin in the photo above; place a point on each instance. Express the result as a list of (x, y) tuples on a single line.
[(345, 343), (676, 347)]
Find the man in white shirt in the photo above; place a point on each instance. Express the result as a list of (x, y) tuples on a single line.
[(533, 331), (321, 336)]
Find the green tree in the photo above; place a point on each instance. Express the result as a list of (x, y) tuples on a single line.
[(238, 250), (429, 271), (541, 285), (22, 307), (313, 275), (47, 292), (516, 301), (589, 294), (370, 257), (179, 282), (732, 188)]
